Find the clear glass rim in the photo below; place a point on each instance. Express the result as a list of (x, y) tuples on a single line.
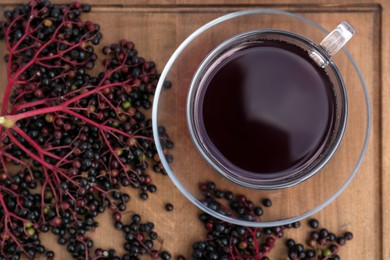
[(284, 179), (165, 163)]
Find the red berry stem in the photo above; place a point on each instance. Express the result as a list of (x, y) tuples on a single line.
[(76, 137)]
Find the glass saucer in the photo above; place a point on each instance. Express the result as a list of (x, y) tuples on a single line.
[(189, 168)]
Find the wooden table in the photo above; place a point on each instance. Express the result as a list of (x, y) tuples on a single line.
[(364, 207)]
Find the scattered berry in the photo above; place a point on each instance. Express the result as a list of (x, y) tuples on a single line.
[(168, 207)]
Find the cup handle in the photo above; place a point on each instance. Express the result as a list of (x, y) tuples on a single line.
[(333, 42)]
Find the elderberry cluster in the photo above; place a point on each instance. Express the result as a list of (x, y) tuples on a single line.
[(225, 240), (239, 206), (140, 238), (48, 39), (23, 212), (77, 136), (322, 244)]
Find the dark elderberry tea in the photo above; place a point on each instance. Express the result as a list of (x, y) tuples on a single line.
[(266, 108), (264, 112)]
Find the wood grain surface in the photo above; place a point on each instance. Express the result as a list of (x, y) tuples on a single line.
[(158, 26)]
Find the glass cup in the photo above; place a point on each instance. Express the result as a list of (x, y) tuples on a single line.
[(301, 194), (320, 56)]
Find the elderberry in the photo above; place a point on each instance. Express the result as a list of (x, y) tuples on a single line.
[(168, 207)]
